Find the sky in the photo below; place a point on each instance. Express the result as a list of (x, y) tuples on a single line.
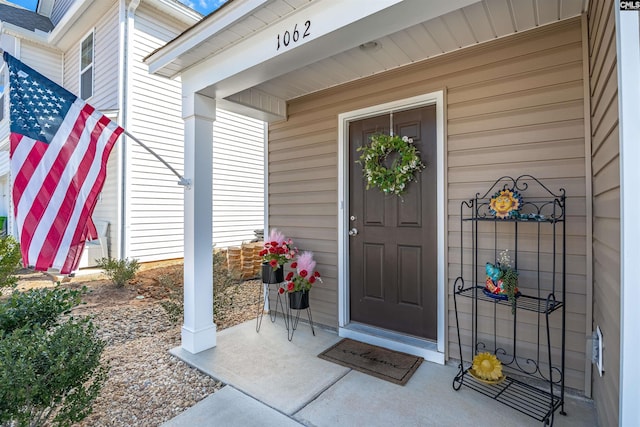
[(205, 7)]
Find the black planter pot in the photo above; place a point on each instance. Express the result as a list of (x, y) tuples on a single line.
[(299, 300), (269, 275)]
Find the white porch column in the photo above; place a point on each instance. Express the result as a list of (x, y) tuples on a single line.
[(198, 331), (628, 50)]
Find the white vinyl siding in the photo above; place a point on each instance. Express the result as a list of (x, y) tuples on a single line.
[(4, 122), (605, 161), (46, 61), (512, 107), (4, 162), (156, 210), (238, 178), (106, 63), (156, 206), (107, 205), (105, 98)]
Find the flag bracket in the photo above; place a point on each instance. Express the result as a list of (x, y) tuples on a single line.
[(185, 182)]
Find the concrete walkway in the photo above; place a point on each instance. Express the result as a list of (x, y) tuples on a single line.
[(274, 382)]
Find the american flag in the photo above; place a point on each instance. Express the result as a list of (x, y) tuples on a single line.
[(59, 151)]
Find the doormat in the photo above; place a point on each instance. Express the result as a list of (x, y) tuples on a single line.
[(380, 362)]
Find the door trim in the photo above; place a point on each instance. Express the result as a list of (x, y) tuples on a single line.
[(431, 351)]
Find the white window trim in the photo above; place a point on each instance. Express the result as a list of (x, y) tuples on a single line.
[(93, 64), (434, 352)]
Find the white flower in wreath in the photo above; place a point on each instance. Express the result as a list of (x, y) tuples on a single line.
[(405, 165)]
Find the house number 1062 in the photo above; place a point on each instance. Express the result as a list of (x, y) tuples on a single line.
[(295, 35)]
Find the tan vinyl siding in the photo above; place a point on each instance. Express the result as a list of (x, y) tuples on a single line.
[(606, 203), (155, 213), (238, 178), (513, 106)]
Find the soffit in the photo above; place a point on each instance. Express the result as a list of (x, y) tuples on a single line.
[(480, 22), (229, 33)]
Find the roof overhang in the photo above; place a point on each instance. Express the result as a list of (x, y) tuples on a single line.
[(238, 53), (83, 15)]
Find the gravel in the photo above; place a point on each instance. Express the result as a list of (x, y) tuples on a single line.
[(146, 385)]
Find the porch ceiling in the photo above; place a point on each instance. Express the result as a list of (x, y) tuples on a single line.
[(480, 22), (226, 56)]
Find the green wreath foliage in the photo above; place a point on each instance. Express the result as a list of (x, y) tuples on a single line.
[(393, 179)]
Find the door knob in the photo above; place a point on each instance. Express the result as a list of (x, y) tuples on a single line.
[(353, 231)]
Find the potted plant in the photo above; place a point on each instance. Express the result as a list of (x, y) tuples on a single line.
[(276, 252), (502, 280), (301, 280)]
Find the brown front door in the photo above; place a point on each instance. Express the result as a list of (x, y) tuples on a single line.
[(393, 256)]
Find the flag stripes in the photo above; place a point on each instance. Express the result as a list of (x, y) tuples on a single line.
[(57, 179)]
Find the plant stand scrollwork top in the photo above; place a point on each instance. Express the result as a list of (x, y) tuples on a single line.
[(518, 333)]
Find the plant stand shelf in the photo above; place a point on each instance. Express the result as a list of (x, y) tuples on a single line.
[(516, 394), (524, 302), (534, 232)]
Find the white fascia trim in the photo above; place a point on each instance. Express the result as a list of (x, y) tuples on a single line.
[(334, 28), (68, 21), (344, 317), (177, 10), (628, 53), (222, 19), (23, 33)]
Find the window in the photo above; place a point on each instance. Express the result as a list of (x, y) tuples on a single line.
[(86, 67)]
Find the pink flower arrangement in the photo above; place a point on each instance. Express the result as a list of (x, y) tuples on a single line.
[(304, 276), (277, 250)]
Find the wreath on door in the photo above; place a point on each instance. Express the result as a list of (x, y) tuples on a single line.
[(394, 178)]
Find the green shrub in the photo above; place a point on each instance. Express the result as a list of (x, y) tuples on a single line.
[(9, 260), (50, 370), (41, 307), (120, 271)]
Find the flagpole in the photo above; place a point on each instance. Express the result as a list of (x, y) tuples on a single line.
[(183, 181)]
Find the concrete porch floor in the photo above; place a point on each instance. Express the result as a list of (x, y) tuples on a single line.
[(274, 382)]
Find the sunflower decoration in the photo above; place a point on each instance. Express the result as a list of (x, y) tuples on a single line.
[(505, 204), (486, 367)]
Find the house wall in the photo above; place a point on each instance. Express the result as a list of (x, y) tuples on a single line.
[(238, 178), (155, 211), (105, 98), (512, 106), (606, 203), (106, 63), (46, 61)]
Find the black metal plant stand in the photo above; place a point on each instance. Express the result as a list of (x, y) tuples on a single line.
[(264, 296), (293, 319), (541, 222)]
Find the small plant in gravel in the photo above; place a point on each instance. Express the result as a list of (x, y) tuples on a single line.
[(9, 261), (120, 271), (50, 369), (173, 304), (223, 282)]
